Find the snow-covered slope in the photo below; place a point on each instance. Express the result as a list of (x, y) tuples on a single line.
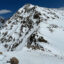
[(34, 33)]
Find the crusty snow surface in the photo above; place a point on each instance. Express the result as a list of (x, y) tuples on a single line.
[(51, 28)]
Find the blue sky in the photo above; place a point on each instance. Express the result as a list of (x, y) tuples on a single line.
[(13, 5)]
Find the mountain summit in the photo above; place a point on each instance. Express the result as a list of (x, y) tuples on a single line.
[(34, 28)]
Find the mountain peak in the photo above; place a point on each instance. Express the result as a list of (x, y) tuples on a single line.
[(33, 34), (26, 28)]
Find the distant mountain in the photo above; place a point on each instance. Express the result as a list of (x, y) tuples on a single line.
[(36, 29), (61, 8), (2, 21)]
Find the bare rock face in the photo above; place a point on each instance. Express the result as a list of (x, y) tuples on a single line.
[(14, 60), (1, 53)]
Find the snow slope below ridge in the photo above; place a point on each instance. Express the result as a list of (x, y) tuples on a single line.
[(27, 56), (56, 38)]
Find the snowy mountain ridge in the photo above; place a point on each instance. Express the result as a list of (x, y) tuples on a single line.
[(36, 29)]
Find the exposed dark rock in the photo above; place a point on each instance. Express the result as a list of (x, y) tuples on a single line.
[(1, 53), (37, 15), (5, 33), (6, 45), (14, 60), (41, 39), (9, 22)]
